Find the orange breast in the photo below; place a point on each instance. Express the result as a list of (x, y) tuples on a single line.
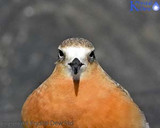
[(98, 104)]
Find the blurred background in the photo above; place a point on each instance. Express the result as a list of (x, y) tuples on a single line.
[(127, 46)]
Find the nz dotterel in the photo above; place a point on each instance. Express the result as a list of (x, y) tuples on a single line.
[(79, 91)]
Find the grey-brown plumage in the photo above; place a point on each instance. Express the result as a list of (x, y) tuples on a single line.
[(76, 42)]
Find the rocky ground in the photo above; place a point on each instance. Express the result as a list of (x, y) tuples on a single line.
[(127, 46)]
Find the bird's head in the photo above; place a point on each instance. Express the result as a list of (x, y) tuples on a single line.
[(76, 55)]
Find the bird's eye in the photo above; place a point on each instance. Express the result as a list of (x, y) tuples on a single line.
[(60, 54), (92, 55)]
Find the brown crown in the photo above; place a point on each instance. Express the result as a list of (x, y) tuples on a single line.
[(76, 42)]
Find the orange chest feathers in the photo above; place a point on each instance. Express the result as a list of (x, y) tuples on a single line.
[(89, 104)]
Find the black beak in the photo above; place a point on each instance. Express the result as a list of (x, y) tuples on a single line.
[(75, 65)]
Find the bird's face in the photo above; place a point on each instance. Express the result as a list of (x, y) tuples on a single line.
[(76, 59)]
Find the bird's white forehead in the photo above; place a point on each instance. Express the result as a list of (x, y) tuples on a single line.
[(76, 52)]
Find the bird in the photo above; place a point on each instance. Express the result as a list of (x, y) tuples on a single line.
[(80, 94)]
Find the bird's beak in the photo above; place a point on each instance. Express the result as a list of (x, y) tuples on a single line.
[(75, 65)]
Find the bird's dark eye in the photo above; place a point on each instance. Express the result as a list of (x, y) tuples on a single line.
[(60, 54), (92, 55)]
